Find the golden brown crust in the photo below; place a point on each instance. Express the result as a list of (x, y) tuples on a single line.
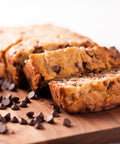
[(88, 96), (41, 38)]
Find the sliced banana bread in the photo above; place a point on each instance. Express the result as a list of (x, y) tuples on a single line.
[(45, 37), (41, 68), (90, 93)]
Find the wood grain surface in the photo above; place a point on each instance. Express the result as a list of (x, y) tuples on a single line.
[(98, 128)]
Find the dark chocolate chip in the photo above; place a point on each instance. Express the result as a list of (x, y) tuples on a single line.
[(1, 97), (15, 107), (110, 85), (2, 119), (67, 122), (31, 122), (2, 107), (55, 113), (7, 117), (14, 119), (38, 119), (15, 99), (23, 104), (85, 67), (26, 99), (55, 107), (38, 49), (3, 128), (30, 114), (50, 119), (6, 83), (113, 57), (11, 87), (77, 66), (56, 68), (23, 121), (32, 95), (6, 102), (40, 115), (105, 83), (39, 126), (8, 96)]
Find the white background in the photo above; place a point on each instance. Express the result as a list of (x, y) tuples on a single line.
[(97, 19)]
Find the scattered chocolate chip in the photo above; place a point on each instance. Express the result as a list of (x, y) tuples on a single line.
[(55, 113), (3, 128), (40, 115), (50, 119), (38, 119), (6, 102), (39, 126), (30, 114), (11, 87), (15, 107), (14, 119), (2, 119), (85, 64), (55, 107), (23, 121), (38, 49), (113, 57), (67, 122), (31, 122), (23, 104), (7, 117), (8, 96), (110, 85), (56, 68), (15, 99), (26, 99), (31, 95), (1, 97), (2, 106)]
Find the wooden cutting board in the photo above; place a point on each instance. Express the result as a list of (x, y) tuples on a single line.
[(93, 128)]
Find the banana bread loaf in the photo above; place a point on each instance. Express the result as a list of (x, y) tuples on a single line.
[(90, 93), (41, 68), (45, 37)]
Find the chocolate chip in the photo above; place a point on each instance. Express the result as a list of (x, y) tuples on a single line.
[(15, 99), (105, 83), (6, 102), (38, 119), (55, 107), (1, 97), (56, 68), (3, 128), (8, 96), (6, 83), (11, 87), (55, 113), (15, 107), (40, 115), (2, 107), (7, 117), (23, 121), (77, 66), (2, 119), (39, 126), (30, 114), (31, 95), (14, 119), (85, 67), (50, 119), (23, 104), (110, 85), (26, 99), (31, 122), (38, 49), (67, 122), (113, 57)]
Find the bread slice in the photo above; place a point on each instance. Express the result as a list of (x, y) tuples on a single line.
[(44, 67), (90, 93), (44, 37)]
